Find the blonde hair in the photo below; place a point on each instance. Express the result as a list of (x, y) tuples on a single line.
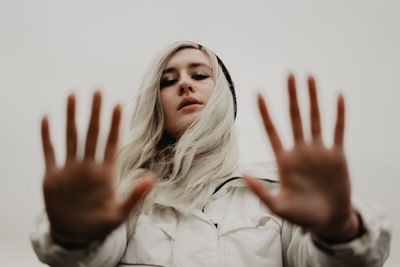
[(190, 168)]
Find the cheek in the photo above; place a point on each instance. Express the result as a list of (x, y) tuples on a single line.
[(167, 104), (165, 99), (209, 89)]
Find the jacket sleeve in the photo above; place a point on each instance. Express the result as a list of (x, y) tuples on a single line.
[(369, 250), (105, 253)]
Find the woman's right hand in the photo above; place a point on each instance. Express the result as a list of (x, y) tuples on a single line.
[(80, 197)]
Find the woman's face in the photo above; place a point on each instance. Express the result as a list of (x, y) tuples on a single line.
[(186, 85)]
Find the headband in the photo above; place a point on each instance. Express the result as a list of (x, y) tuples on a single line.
[(229, 80)]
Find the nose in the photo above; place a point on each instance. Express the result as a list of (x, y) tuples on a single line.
[(185, 87)]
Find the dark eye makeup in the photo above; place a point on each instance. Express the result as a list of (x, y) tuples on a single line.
[(168, 81), (200, 75)]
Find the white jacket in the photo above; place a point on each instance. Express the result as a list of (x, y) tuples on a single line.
[(234, 229)]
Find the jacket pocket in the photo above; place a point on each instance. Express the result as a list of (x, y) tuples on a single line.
[(254, 242), (151, 244)]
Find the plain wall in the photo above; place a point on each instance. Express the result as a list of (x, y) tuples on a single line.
[(50, 48)]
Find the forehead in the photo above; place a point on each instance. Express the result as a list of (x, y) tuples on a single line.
[(186, 56)]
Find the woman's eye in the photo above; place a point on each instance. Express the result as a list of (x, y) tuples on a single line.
[(167, 82), (200, 76)]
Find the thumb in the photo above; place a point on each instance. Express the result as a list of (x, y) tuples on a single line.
[(261, 191), (141, 189)]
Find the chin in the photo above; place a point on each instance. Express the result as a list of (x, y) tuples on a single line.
[(184, 125)]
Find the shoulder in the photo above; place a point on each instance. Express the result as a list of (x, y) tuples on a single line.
[(266, 170), (240, 207)]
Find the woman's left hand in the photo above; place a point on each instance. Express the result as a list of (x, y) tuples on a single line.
[(314, 181)]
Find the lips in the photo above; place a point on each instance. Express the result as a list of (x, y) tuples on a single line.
[(188, 101)]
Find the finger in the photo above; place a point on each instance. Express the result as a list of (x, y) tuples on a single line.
[(269, 126), (294, 111), (339, 128), (314, 110), (259, 189), (141, 189), (48, 150), (71, 128), (93, 130), (112, 141)]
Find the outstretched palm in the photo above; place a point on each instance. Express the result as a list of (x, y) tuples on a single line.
[(80, 197), (315, 187)]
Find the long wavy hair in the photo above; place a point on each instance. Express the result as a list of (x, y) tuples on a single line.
[(190, 167)]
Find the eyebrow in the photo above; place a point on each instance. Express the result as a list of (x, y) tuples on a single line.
[(191, 66)]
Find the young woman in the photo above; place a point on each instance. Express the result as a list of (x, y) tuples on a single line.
[(182, 154)]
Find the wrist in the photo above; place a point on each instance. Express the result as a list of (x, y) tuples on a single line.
[(67, 243), (341, 231)]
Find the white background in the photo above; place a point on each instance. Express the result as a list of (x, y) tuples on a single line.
[(50, 48)]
